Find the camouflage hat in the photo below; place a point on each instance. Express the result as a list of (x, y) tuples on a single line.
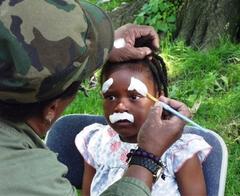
[(45, 45)]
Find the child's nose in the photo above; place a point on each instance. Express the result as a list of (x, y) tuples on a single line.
[(121, 106)]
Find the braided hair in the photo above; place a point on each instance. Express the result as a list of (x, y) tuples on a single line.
[(156, 66)]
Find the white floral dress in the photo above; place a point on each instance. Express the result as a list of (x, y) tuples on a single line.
[(102, 148)]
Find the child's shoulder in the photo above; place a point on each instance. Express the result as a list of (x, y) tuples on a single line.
[(90, 135), (184, 148), (189, 142), (93, 129), (190, 138), (95, 133)]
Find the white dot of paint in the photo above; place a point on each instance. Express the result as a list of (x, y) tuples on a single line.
[(119, 43)]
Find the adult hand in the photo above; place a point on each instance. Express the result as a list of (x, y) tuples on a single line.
[(156, 134), (136, 41)]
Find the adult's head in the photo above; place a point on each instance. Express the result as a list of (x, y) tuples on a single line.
[(45, 46)]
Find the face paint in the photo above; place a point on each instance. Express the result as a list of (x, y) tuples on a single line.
[(139, 86), (121, 116), (106, 85), (119, 43)]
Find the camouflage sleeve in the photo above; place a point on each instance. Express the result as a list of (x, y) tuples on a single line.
[(34, 172), (127, 186)]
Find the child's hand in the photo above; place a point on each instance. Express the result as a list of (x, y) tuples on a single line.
[(133, 42), (156, 134)]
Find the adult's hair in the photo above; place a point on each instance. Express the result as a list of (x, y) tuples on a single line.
[(21, 111), (156, 67)]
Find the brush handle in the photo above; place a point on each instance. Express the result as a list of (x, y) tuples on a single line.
[(169, 109)]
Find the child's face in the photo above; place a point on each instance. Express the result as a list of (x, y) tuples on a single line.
[(126, 110)]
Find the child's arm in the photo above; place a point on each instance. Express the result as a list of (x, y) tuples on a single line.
[(190, 178), (88, 175)]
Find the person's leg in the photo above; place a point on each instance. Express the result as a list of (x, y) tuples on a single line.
[(60, 139)]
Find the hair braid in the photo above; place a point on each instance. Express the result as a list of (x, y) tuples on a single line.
[(155, 66), (159, 71)]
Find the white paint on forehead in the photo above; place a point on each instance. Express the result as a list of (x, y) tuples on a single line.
[(139, 86), (115, 117), (106, 85)]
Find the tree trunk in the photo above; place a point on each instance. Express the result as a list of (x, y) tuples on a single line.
[(126, 13), (200, 23)]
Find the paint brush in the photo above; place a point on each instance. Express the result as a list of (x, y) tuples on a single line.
[(141, 88), (171, 110)]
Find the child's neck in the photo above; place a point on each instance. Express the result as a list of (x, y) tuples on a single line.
[(129, 139)]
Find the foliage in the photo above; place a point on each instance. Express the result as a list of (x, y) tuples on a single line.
[(109, 5), (211, 79), (209, 83), (161, 14), (87, 104)]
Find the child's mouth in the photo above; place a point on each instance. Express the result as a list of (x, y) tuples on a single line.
[(123, 123)]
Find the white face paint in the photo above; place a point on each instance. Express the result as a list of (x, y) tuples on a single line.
[(115, 117), (106, 85), (139, 86), (119, 43)]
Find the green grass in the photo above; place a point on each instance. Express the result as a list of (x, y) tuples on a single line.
[(109, 5), (86, 105), (209, 80)]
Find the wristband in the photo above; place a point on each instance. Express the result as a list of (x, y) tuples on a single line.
[(147, 160)]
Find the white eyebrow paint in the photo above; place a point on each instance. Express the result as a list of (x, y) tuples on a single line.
[(106, 85), (139, 86), (115, 117)]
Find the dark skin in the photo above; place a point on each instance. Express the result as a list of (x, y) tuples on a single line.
[(88, 175), (119, 99), (131, 34), (42, 122), (190, 177)]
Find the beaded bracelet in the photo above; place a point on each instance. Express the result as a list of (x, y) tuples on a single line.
[(142, 153), (147, 160)]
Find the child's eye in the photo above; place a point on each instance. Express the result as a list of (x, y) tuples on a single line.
[(135, 97), (110, 97)]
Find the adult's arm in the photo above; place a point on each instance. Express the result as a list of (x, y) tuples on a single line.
[(155, 136), (33, 172)]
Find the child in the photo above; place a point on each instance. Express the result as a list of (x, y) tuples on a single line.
[(104, 147)]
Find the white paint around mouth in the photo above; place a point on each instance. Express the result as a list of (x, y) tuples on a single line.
[(106, 85), (115, 117), (139, 86)]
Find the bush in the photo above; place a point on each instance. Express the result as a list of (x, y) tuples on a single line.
[(108, 5), (161, 14)]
